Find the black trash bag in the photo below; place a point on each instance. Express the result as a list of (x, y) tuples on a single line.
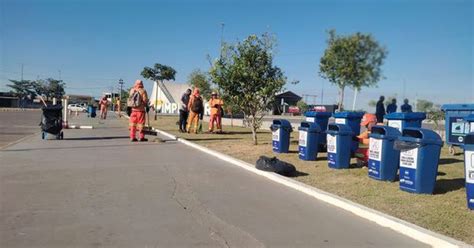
[(404, 145), (275, 165)]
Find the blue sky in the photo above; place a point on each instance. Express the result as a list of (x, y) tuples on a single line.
[(95, 43)]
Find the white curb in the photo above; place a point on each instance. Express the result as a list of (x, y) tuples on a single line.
[(79, 127), (411, 230)]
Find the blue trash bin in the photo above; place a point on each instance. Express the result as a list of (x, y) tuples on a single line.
[(455, 125), (469, 168), (403, 120), (339, 140), (308, 142), (470, 122), (281, 130), (91, 111), (383, 158), (322, 119), (353, 120), (419, 157)]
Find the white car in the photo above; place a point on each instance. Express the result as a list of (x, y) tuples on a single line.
[(76, 108)]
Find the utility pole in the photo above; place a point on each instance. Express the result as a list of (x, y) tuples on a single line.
[(21, 71), (222, 39), (121, 86)]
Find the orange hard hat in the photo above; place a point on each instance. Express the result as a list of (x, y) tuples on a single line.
[(368, 118)]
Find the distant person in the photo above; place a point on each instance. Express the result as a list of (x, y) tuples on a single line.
[(362, 154), (184, 111), (392, 107), (216, 113), (117, 107), (196, 107), (380, 109), (103, 104), (406, 108), (138, 102)]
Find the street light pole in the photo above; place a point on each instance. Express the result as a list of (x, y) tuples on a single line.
[(121, 85)]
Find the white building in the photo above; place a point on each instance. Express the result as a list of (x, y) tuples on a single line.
[(166, 96)]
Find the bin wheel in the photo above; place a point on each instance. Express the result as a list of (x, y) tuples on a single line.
[(452, 150)]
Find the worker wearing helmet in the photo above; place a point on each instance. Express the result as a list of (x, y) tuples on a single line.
[(362, 154), (216, 112)]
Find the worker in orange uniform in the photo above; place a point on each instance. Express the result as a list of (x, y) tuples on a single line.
[(362, 154), (216, 113), (138, 102), (195, 107)]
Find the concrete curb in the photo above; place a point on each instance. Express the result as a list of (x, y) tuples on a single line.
[(411, 230), (79, 127)]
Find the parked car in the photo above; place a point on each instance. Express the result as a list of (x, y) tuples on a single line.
[(76, 108)]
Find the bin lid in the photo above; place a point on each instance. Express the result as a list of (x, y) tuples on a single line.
[(406, 116), (349, 115), (469, 118), (385, 132), (318, 114), (454, 107), (281, 122), (421, 136), (310, 127), (339, 129)]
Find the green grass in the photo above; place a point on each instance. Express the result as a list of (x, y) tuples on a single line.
[(444, 212)]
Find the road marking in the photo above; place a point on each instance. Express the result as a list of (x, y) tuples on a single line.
[(408, 229)]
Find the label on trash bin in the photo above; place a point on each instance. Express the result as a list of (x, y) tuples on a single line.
[(331, 149), (395, 124), (310, 119), (469, 164), (303, 138), (276, 135), (408, 165), (375, 157), (340, 121)]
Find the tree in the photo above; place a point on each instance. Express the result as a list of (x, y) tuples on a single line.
[(22, 88), (159, 72), (200, 79), (246, 75), (372, 103), (352, 61), (423, 105), (302, 106), (50, 88)]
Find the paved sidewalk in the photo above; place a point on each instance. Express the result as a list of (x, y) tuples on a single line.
[(96, 189)]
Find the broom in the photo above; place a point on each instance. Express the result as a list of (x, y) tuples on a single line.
[(148, 130)]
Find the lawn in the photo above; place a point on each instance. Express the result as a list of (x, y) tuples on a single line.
[(444, 212)]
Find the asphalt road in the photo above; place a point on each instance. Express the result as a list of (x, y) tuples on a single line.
[(96, 189), (18, 124)]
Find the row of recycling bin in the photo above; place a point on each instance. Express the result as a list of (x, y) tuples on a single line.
[(401, 146)]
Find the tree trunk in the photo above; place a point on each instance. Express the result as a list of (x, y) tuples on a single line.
[(341, 99), (254, 131)]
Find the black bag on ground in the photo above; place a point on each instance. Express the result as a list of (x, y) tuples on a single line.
[(275, 165)]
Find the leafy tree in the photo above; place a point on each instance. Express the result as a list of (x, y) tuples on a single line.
[(50, 88), (22, 88), (423, 105), (302, 106), (159, 72), (246, 75), (352, 61), (200, 79), (372, 103)]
